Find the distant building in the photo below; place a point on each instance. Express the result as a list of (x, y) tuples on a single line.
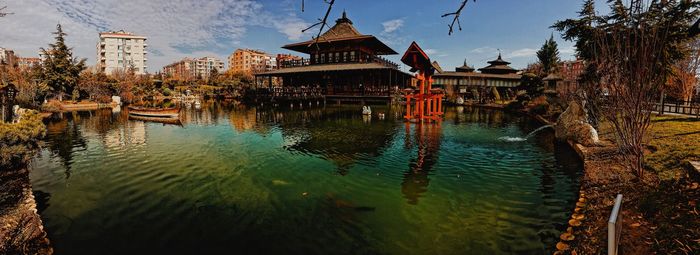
[(565, 81), (465, 83), (181, 70), (27, 63), (251, 61), (121, 51), (287, 60), (7, 57), (189, 69)]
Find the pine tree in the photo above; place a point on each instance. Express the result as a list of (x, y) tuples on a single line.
[(549, 56), (61, 70)]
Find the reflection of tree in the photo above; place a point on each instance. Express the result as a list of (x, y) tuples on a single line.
[(427, 141), (64, 136)]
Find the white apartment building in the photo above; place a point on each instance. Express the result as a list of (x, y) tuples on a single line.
[(206, 65), (121, 50)]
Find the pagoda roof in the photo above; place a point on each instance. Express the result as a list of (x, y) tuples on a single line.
[(342, 31), (498, 66), (465, 68)]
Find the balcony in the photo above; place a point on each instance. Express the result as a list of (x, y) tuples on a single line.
[(306, 62)]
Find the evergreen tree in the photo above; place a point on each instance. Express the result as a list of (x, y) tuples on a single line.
[(61, 70), (549, 56)]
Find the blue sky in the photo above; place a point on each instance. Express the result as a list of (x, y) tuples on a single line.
[(195, 28)]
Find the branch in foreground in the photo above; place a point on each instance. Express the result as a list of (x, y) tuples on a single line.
[(456, 15), (322, 22), (3, 13)]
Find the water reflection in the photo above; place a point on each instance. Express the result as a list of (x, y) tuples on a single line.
[(318, 180), (427, 140)]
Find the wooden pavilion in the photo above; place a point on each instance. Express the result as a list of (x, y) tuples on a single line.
[(343, 65)]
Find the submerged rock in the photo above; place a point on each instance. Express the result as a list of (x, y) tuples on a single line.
[(573, 125)]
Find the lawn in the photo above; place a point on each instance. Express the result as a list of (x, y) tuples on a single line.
[(673, 140)]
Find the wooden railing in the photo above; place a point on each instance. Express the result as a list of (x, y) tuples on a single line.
[(289, 93), (691, 108), (305, 62)]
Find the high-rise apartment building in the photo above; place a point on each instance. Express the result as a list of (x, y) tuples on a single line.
[(251, 61), (189, 69), (7, 57), (121, 51)]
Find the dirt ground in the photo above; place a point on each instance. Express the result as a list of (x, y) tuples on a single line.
[(658, 216)]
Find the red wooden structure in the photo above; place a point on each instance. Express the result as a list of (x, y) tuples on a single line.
[(426, 103)]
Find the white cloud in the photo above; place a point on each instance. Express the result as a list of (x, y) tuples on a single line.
[(430, 51), (525, 52), (392, 25), (434, 53), (175, 28), (483, 50)]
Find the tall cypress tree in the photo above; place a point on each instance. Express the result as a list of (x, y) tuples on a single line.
[(61, 70), (549, 56)]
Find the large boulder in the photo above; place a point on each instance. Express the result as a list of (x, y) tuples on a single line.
[(573, 125)]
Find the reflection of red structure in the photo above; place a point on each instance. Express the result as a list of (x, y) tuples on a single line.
[(427, 102), (426, 140)]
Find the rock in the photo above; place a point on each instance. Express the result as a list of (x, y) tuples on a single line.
[(573, 125)]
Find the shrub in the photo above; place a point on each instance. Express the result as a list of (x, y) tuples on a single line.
[(20, 141), (166, 92), (51, 106)]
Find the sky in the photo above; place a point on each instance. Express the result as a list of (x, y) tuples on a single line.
[(198, 28)]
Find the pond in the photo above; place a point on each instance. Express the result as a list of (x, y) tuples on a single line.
[(321, 180)]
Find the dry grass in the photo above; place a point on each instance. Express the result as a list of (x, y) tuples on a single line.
[(671, 142)]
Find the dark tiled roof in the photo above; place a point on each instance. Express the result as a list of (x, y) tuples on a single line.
[(465, 68), (343, 30)]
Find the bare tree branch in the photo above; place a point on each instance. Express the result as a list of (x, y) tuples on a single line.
[(456, 15), (3, 13), (323, 22)]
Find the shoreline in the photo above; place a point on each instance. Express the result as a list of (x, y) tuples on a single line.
[(22, 230)]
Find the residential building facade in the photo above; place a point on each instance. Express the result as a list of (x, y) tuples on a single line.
[(7, 57), (190, 69), (121, 50), (27, 63), (251, 61)]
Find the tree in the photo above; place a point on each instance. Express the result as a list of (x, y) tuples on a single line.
[(94, 84), (681, 84), (631, 53), (548, 56), (60, 69)]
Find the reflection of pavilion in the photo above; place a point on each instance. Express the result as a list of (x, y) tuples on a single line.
[(335, 134), (427, 140)]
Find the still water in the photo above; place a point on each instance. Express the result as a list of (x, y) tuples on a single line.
[(323, 180)]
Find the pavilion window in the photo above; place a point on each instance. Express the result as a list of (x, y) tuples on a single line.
[(345, 56), (323, 57), (337, 57), (352, 56)]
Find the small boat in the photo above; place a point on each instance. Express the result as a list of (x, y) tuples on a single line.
[(170, 121), (366, 110), (154, 112)]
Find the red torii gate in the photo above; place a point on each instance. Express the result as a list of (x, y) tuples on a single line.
[(427, 102)]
